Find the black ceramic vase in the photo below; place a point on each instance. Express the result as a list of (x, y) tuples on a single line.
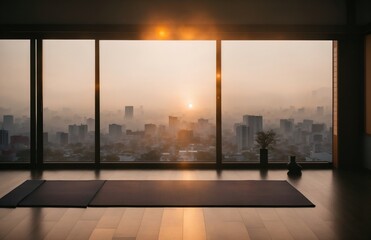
[(293, 167), (263, 158)]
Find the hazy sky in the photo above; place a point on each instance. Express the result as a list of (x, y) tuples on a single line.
[(14, 77), (275, 74), (164, 77)]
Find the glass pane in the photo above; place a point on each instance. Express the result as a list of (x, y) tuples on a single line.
[(68, 85), (284, 86), (157, 101), (14, 100)]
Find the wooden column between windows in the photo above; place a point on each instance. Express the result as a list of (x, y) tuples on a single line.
[(39, 104), (97, 105), (218, 104), (33, 156)]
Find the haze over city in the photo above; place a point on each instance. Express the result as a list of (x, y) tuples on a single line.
[(170, 87), (165, 76)]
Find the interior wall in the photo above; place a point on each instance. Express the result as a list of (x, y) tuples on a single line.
[(313, 12), (352, 140), (351, 101), (363, 9), (367, 138), (367, 152), (368, 83)]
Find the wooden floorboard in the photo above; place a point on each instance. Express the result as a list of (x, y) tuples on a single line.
[(129, 224), (342, 199), (194, 224), (151, 224), (172, 224)]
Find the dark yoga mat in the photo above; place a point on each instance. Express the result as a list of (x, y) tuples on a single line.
[(12, 199), (63, 194), (199, 194)]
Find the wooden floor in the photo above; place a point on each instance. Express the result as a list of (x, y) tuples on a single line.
[(342, 199)]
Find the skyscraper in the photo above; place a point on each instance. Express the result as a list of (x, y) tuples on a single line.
[(184, 137), (286, 126), (173, 124), (150, 129), (242, 132), (203, 127), (307, 125), (62, 138), (20, 140), (115, 131), (8, 122), (77, 133), (318, 127), (4, 138), (83, 132), (91, 124), (255, 125), (129, 112)]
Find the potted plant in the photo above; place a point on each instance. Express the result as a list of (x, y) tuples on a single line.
[(265, 140)]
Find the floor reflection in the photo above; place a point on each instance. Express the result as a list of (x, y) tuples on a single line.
[(36, 224)]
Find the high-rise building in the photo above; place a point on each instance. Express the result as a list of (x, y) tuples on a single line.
[(73, 132), (8, 122), (114, 131), (185, 137), (255, 125), (318, 128), (62, 138), (287, 126), (77, 133), (129, 112), (318, 132), (4, 138), (203, 127), (161, 130), (150, 129), (173, 124), (83, 132), (91, 124), (307, 125), (20, 140), (242, 133)]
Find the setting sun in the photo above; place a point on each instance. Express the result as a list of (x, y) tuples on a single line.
[(190, 105), (162, 32)]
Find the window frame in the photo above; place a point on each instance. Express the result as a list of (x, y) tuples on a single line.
[(37, 33), (32, 104)]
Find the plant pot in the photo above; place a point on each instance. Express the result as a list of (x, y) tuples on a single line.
[(263, 157)]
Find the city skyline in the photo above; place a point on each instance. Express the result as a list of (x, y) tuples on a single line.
[(310, 140), (158, 99), (67, 116)]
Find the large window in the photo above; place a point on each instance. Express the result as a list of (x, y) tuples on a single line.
[(68, 87), (284, 86), (157, 101), (14, 101)]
